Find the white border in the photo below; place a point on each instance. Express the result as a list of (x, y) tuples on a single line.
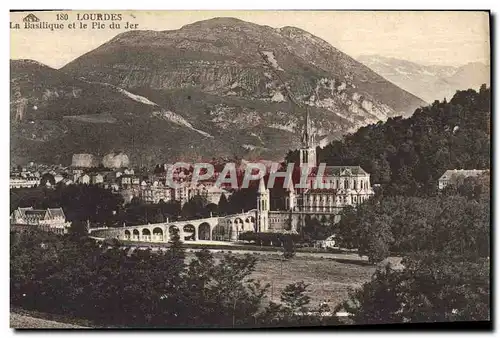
[(190, 4)]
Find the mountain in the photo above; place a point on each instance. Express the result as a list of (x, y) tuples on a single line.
[(430, 82), (213, 88)]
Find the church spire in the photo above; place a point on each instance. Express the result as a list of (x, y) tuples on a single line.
[(262, 187), (306, 133), (308, 150)]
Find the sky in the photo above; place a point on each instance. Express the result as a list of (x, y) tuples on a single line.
[(445, 38)]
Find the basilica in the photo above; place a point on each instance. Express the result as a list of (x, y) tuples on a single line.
[(324, 198)]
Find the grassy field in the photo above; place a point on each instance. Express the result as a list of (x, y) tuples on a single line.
[(330, 280)]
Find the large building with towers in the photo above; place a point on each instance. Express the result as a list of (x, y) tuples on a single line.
[(324, 199)]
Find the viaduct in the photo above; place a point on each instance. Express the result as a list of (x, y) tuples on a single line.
[(225, 228)]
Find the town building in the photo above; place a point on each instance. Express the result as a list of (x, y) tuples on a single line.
[(29, 182), (208, 190), (455, 176), (52, 219), (155, 192), (84, 179)]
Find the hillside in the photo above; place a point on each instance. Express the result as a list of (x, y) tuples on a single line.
[(430, 82), (209, 89), (407, 156)]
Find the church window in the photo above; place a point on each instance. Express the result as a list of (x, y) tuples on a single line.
[(346, 184)]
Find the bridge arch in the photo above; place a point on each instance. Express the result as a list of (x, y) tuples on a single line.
[(204, 231), (127, 235), (146, 234), (136, 235), (158, 234), (189, 232), (173, 229), (219, 232)]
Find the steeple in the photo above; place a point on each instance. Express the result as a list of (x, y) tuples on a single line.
[(307, 135), (308, 150), (262, 187)]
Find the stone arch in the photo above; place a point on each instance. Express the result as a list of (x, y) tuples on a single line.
[(127, 235), (250, 223), (219, 232), (136, 234), (158, 234), (189, 232), (204, 231), (172, 229), (146, 234)]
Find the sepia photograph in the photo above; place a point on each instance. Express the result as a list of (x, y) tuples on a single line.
[(249, 169)]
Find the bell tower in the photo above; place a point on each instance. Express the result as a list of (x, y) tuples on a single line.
[(262, 207)]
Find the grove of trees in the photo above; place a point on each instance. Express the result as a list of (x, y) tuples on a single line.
[(407, 156), (77, 277)]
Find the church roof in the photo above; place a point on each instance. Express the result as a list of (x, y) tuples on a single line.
[(344, 171), (321, 191), (56, 212)]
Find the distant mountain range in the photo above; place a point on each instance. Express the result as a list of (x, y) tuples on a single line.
[(429, 82), (213, 88)]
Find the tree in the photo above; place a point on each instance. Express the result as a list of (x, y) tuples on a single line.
[(211, 209), (288, 250), (444, 276), (314, 229), (103, 284), (430, 288), (47, 178), (295, 299), (194, 208), (223, 205)]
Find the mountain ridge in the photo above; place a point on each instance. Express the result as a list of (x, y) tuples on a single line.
[(214, 77), (430, 82)]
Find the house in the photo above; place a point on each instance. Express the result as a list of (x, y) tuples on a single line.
[(128, 171), (16, 183), (58, 178), (52, 219), (454, 176), (84, 179), (155, 192), (67, 181), (97, 178), (210, 192), (125, 179)]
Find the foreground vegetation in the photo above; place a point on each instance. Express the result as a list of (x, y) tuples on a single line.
[(74, 276)]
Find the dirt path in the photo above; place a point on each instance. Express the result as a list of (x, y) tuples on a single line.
[(18, 321)]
